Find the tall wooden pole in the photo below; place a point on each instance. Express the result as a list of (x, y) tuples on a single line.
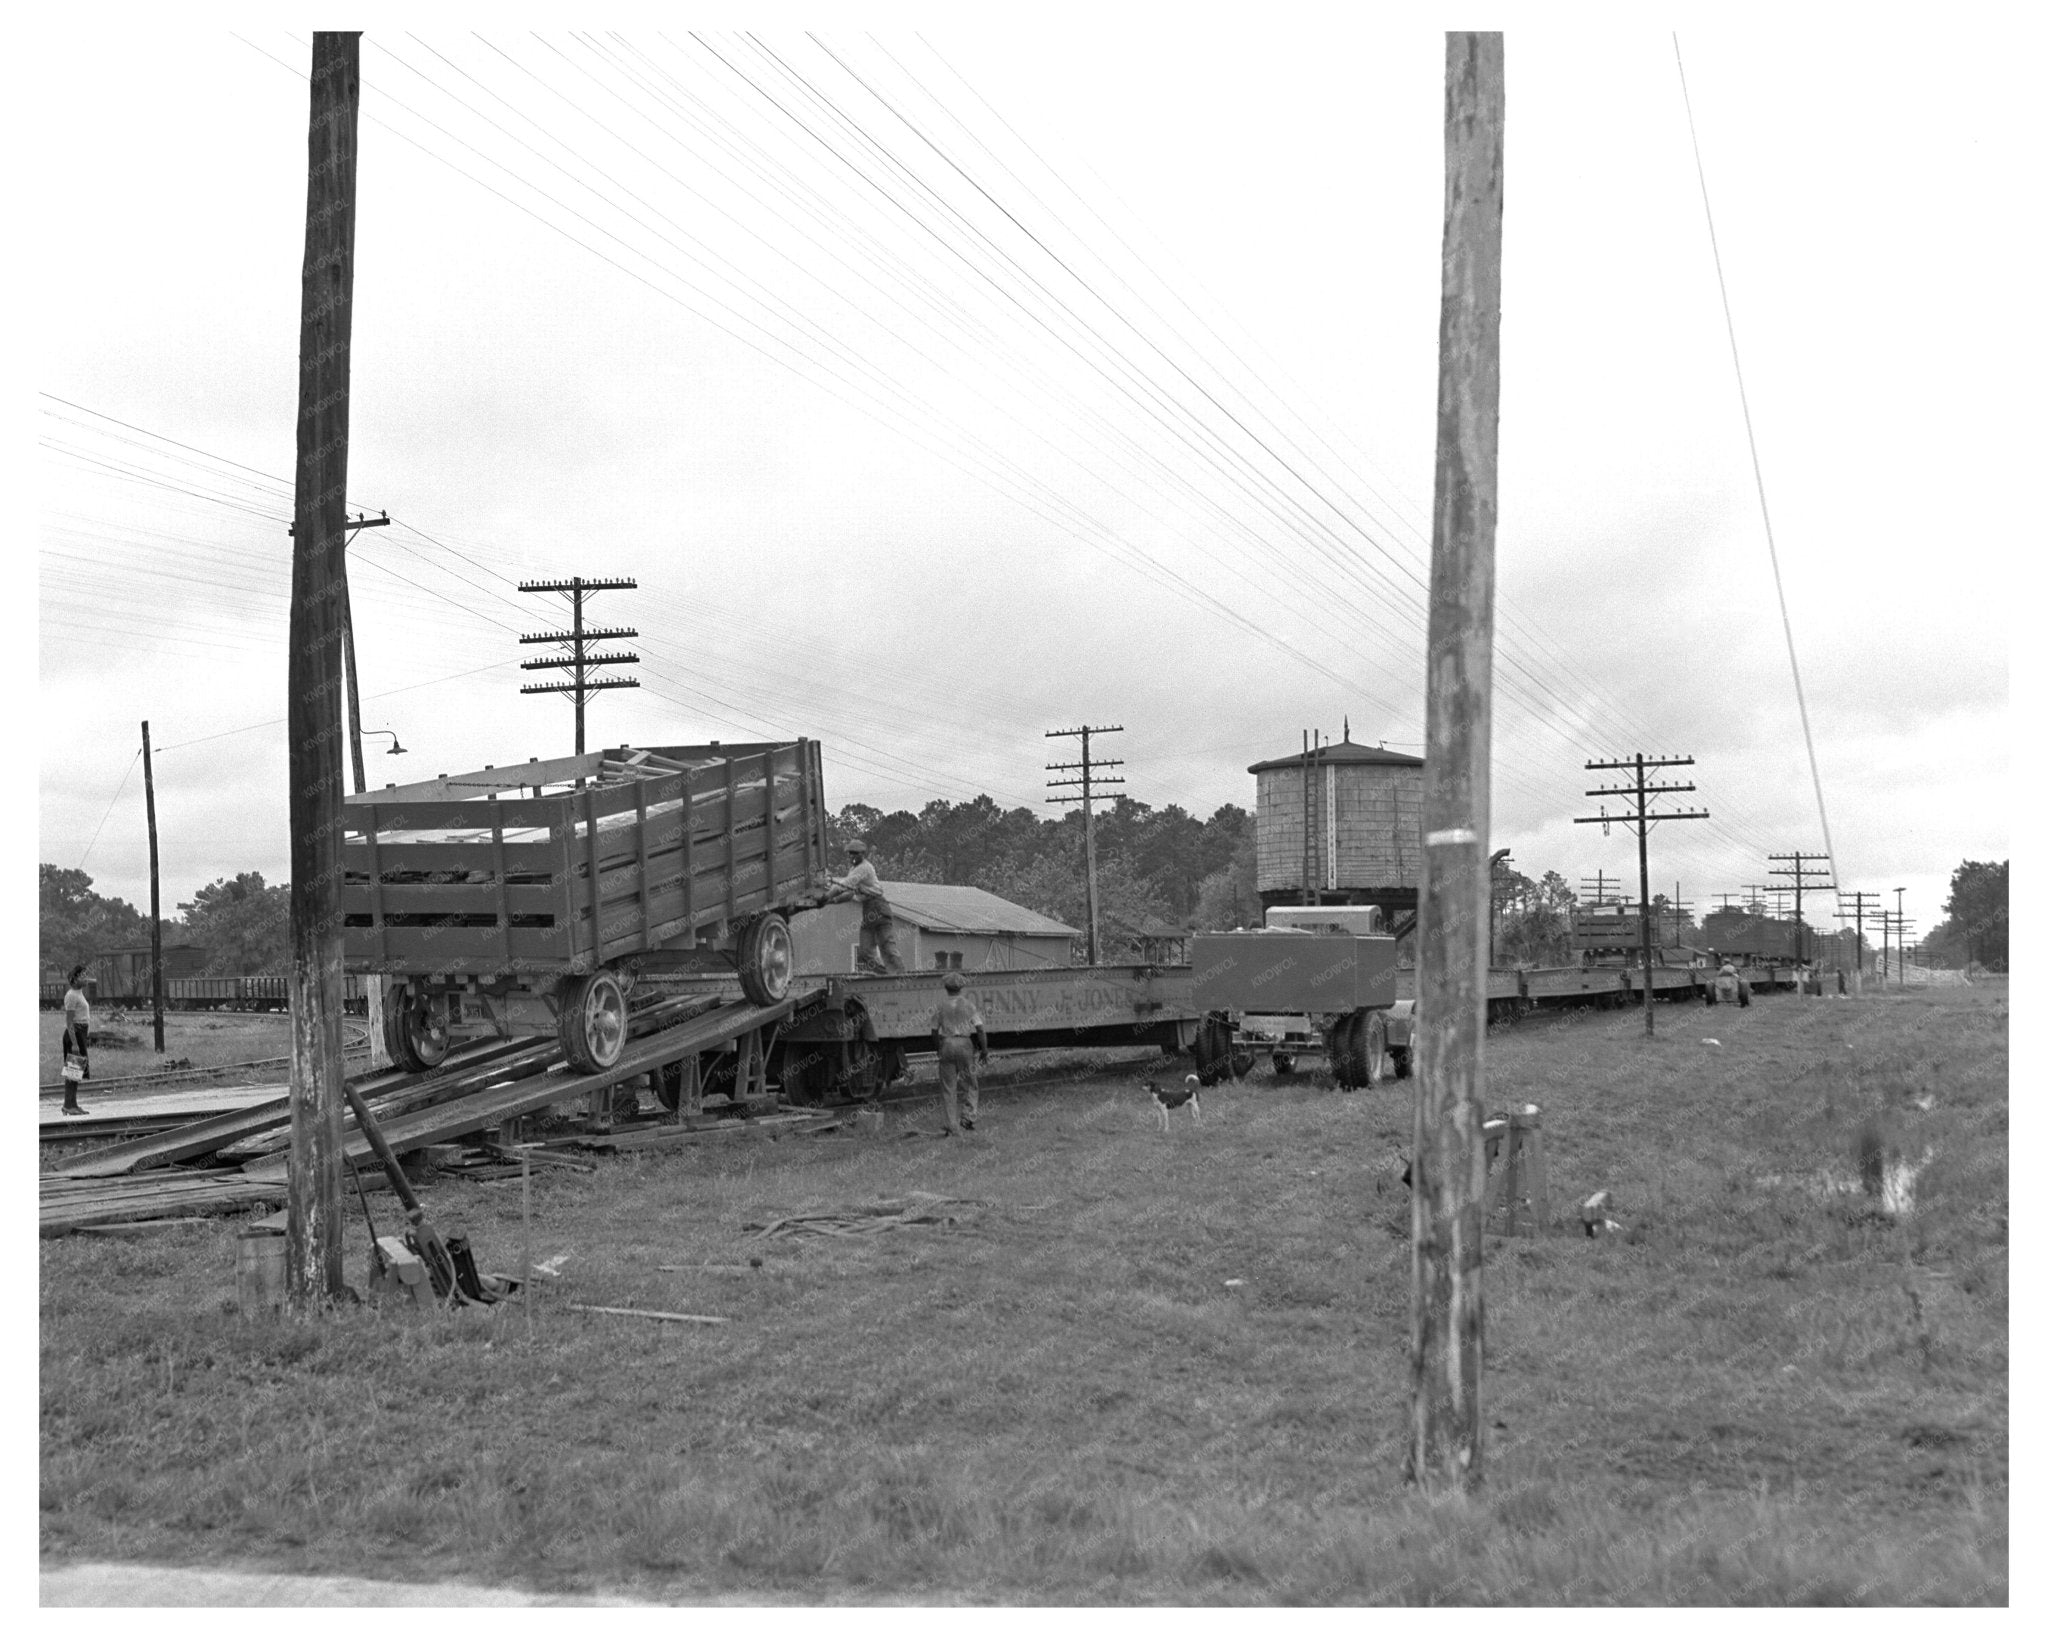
[(1643, 877), (1088, 843), (1446, 1330), (380, 1055), (348, 658), (313, 717), (156, 915)]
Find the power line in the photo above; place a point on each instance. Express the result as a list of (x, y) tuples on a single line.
[(1755, 461), (97, 829)]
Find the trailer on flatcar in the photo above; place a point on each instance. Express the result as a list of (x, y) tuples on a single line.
[(1287, 992), (532, 899)]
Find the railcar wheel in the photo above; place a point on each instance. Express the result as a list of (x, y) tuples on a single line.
[(806, 1075), (767, 959), (1212, 1051), (592, 1022), (668, 1085), (415, 1032)]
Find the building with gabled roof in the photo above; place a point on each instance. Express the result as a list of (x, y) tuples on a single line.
[(938, 925)]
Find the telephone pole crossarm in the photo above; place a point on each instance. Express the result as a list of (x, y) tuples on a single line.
[(1088, 783), (578, 640)]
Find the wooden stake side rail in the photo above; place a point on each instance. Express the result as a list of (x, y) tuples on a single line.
[(477, 1111)]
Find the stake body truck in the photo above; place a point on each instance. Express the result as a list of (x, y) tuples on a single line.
[(1306, 984)]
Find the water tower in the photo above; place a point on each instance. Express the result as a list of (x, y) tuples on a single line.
[(1341, 825)]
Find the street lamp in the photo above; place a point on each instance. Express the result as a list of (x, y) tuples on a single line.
[(396, 750)]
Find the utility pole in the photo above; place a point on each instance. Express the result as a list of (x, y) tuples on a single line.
[(1642, 819), (1447, 1215), (156, 915), (1801, 878), (380, 1057), (579, 660), (1681, 913), (313, 1272), (1599, 887), (1088, 782), (1857, 901), (1900, 926), (348, 640)]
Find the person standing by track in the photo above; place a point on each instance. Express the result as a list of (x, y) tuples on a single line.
[(961, 1040), (77, 1030)]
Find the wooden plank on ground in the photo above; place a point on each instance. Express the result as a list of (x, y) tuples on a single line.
[(662, 1138), (87, 1205)]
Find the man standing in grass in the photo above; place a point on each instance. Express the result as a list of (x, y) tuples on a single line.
[(960, 1039)]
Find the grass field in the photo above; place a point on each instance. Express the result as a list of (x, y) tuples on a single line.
[(1766, 1390)]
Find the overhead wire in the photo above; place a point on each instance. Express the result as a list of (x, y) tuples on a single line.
[(1348, 683), (97, 829), (1756, 467)]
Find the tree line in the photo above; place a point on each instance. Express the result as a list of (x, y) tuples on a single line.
[(1156, 870)]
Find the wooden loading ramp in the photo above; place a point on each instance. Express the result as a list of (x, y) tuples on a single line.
[(215, 1133), (478, 1111), (264, 1128)]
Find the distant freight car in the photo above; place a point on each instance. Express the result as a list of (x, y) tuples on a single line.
[(528, 899)]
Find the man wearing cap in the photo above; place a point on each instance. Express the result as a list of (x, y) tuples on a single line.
[(877, 921), (961, 1040), (1730, 986)]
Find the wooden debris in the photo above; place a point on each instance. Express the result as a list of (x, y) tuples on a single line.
[(916, 1208), (649, 1314), (666, 1137), (71, 1204)]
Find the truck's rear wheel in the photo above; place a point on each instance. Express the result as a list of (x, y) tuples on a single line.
[(1343, 1061), (415, 1032), (592, 1022), (1369, 1034), (767, 959)]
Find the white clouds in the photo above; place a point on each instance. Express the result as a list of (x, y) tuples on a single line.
[(807, 568)]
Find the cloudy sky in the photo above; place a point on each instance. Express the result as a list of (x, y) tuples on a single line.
[(941, 387)]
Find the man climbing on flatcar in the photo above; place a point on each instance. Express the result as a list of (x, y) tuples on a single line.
[(877, 950)]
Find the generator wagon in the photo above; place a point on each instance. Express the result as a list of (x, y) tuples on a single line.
[(1286, 993)]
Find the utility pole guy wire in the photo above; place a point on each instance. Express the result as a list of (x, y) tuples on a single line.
[(1755, 462)]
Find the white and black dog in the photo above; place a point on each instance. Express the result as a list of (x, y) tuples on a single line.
[(1171, 1099)]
